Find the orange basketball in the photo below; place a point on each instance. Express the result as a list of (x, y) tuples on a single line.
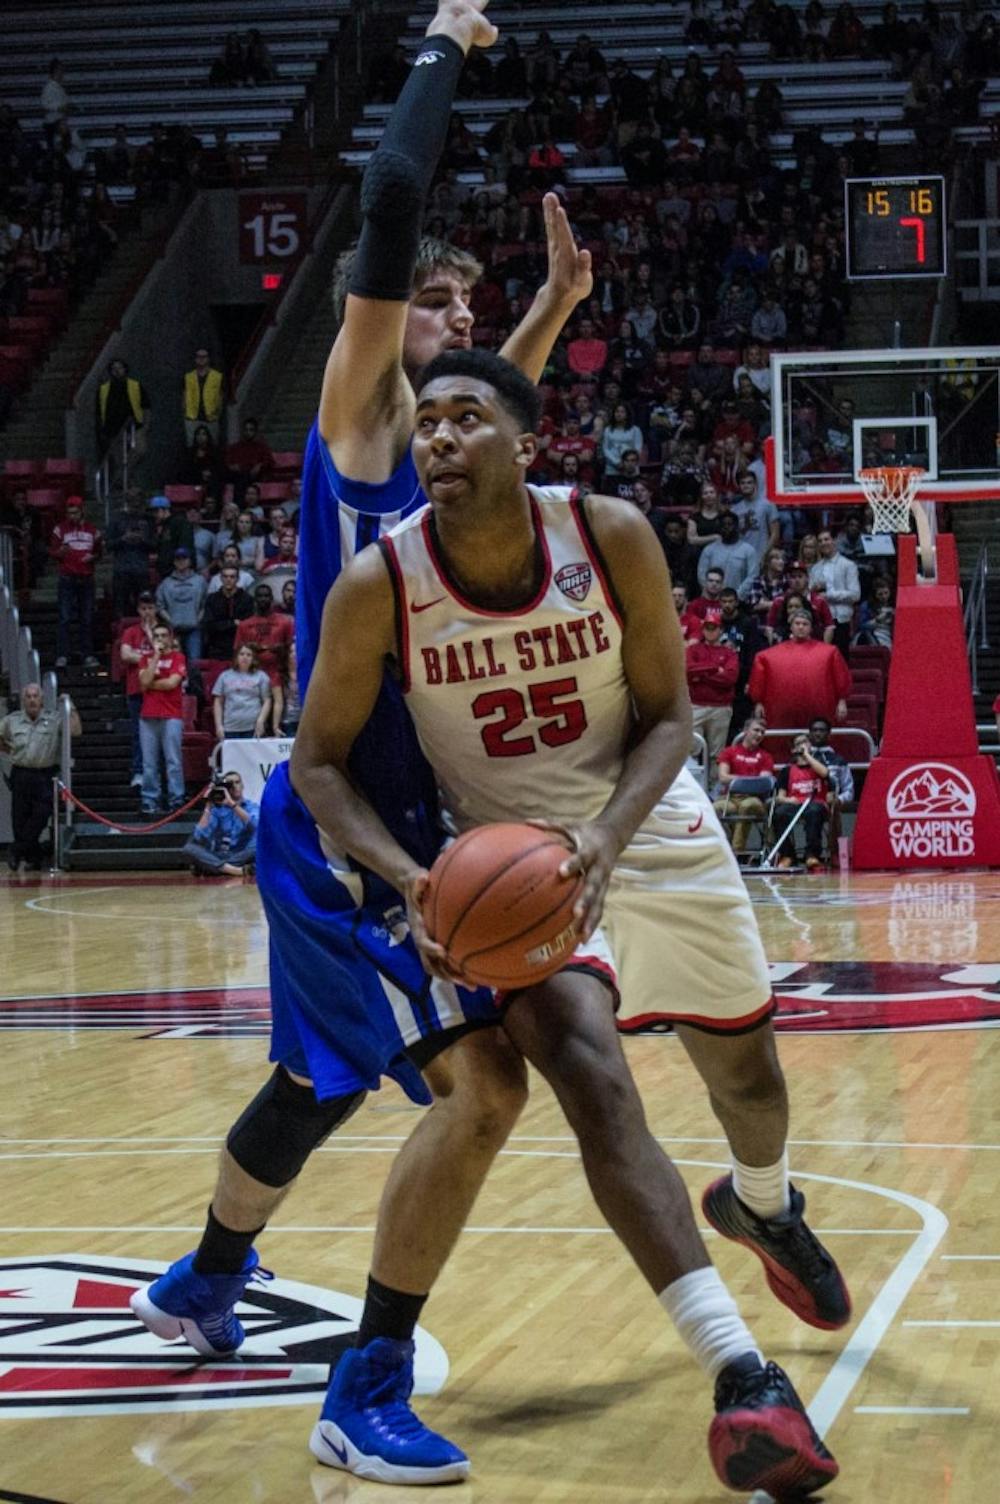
[(497, 904)]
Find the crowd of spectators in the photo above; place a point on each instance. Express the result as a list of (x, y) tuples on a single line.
[(57, 228)]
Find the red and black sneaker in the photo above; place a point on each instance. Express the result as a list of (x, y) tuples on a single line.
[(761, 1436), (799, 1270)]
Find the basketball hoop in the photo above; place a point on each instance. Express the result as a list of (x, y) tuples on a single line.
[(890, 490)]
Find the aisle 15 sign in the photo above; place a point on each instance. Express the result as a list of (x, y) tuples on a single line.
[(272, 227)]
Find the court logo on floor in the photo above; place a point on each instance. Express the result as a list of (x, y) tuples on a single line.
[(69, 1344)]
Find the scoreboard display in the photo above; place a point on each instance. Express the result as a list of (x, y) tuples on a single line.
[(895, 227)]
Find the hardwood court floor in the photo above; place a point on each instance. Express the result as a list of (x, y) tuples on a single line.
[(566, 1383)]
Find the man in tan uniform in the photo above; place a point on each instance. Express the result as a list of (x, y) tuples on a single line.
[(31, 739)]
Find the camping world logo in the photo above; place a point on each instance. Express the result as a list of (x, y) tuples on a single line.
[(575, 580), (69, 1344), (930, 809)]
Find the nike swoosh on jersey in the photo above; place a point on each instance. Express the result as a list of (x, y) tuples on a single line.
[(694, 829), (426, 605)]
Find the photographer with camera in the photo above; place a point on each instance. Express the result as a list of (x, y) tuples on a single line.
[(805, 781), (224, 842)]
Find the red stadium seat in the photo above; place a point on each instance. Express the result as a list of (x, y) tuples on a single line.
[(868, 681), (865, 657), (16, 362), (18, 473), (34, 331), (196, 745), (287, 462), (210, 669), (53, 301), (273, 491), (67, 474), (185, 496), (862, 710), (45, 498)]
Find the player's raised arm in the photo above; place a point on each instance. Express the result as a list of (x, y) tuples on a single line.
[(367, 404), (570, 279)]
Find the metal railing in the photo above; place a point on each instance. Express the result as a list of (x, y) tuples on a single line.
[(62, 819), (119, 452), (19, 658), (976, 632)]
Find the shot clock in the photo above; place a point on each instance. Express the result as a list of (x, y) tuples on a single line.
[(895, 227)]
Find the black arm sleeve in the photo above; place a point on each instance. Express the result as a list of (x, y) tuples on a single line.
[(398, 177)]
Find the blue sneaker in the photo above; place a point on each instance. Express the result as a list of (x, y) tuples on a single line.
[(198, 1307), (366, 1425)]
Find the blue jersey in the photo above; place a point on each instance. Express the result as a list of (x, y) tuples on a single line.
[(349, 996), (337, 518)]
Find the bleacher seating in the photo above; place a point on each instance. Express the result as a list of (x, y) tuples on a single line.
[(149, 63), (828, 99)]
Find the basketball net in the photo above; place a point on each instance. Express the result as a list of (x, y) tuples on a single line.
[(891, 493)]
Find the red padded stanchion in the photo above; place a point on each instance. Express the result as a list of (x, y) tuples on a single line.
[(930, 799)]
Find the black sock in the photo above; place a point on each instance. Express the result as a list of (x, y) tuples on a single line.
[(388, 1313), (222, 1251)]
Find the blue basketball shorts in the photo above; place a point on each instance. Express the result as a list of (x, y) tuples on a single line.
[(350, 1001)]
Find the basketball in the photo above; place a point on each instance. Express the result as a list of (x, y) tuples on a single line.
[(497, 904)]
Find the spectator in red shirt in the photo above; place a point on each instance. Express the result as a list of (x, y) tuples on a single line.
[(270, 633), (250, 459), (161, 724), (572, 441), (745, 759), (690, 623), (285, 564), (135, 641), (712, 586), (805, 781), (586, 355), (76, 546), (712, 671), (800, 679), (798, 586)]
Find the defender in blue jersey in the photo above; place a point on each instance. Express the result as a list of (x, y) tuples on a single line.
[(350, 998)]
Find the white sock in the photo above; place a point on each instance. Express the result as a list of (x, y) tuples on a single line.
[(706, 1317), (763, 1188)]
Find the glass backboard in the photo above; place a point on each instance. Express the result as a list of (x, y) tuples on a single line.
[(837, 412)]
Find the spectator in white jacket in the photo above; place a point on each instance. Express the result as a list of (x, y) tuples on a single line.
[(836, 579)]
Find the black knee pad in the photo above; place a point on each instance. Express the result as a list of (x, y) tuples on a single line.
[(281, 1127)]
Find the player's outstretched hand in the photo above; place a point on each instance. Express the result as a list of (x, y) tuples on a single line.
[(595, 851), (571, 276), (464, 22), (433, 957)]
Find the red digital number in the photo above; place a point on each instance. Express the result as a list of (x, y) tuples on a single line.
[(918, 225), (562, 723)]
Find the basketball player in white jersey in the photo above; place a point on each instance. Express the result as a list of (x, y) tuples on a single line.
[(535, 640)]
